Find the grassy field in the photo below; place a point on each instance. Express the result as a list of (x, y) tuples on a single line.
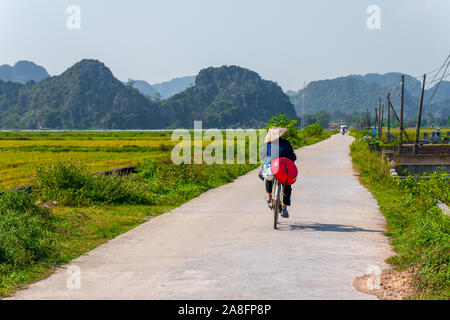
[(417, 227), (22, 152), (73, 209), (411, 132)]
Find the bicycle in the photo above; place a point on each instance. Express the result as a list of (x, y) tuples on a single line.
[(277, 201)]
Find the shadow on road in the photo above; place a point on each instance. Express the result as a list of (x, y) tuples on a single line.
[(325, 228)]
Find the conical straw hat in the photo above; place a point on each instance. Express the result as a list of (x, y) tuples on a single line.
[(275, 133)]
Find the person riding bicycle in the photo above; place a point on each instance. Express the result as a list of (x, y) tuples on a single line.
[(285, 150)]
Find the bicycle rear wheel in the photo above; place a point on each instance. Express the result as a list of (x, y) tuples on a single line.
[(276, 210), (276, 200)]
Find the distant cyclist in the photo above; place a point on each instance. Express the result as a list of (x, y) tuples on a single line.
[(285, 151)]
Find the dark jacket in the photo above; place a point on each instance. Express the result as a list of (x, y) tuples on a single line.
[(285, 151)]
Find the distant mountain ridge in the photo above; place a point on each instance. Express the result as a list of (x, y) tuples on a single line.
[(22, 72), (170, 88), (357, 93), (228, 97), (163, 90), (144, 88), (88, 96)]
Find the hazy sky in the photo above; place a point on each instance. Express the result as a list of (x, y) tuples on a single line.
[(288, 41)]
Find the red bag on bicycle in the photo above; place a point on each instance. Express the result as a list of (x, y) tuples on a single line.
[(284, 170)]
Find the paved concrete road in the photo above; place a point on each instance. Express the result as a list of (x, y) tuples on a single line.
[(222, 244)]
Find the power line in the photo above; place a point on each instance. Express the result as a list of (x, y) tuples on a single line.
[(428, 73), (432, 72), (437, 86), (444, 77), (439, 69), (446, 64), (437, 73)]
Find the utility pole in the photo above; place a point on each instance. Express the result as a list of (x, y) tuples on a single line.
[(381, 121), (379, 118), (398, 119), (400, 140), (375, 124), (388, 103), (303, 106), (367, 119), (419, 117)]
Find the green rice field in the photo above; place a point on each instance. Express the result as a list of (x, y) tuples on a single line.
[(22, 152)]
